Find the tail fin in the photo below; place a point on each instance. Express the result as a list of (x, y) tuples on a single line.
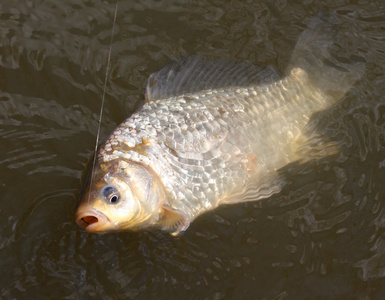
[(313, 53)]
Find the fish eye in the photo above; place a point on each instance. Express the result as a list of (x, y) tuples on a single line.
[(111, 194), (113, 199)]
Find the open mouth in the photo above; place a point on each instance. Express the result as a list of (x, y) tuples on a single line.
[(91, 220)]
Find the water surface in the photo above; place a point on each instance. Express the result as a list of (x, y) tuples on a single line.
[(322, 237)]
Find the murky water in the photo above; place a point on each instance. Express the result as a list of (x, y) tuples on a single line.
[(322, 237)]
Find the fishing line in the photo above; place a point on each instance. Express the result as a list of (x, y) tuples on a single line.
[(104, 94)]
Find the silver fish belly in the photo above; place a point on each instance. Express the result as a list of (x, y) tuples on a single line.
[(196, 146)]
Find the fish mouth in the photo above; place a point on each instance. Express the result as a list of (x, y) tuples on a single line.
[(91, 220)]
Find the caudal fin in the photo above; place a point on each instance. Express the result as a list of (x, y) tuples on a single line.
[(314, 53)]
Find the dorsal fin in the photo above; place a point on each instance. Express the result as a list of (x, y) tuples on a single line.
[(193, 74)]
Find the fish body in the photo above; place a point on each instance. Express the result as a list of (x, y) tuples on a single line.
[(192, 147)]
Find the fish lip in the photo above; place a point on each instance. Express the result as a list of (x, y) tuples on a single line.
[(93, 227)]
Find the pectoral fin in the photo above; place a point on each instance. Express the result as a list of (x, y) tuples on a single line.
[(173, 221)]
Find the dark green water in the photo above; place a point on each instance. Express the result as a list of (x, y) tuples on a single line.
[(322, 237)]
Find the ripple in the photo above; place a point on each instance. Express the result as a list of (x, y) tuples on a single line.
[(320, 237)]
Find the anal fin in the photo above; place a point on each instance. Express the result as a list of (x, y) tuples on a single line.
[(313, 146), (257, 187)]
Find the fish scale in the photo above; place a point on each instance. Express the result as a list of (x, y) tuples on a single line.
[(191, 148), (235, 116)]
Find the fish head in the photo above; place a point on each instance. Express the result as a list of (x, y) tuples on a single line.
[(120, 195)]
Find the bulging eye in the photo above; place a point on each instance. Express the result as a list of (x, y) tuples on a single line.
[(111, 195)]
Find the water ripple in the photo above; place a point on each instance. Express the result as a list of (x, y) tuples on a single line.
[(321, 237)]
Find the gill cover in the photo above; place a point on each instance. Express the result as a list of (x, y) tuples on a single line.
[(127, 195)]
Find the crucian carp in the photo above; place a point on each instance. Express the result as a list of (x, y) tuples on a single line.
[(210, 130)]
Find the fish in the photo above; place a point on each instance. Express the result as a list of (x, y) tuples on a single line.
[(211, 133)]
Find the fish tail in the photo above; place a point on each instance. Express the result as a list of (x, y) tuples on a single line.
[(315, 52)]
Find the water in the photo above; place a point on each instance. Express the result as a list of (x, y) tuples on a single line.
[(322, 237)]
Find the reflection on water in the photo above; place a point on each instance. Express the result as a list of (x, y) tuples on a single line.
[(322, 236)]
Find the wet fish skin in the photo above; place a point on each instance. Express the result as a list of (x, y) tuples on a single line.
[(187, 150), (208, 142)]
